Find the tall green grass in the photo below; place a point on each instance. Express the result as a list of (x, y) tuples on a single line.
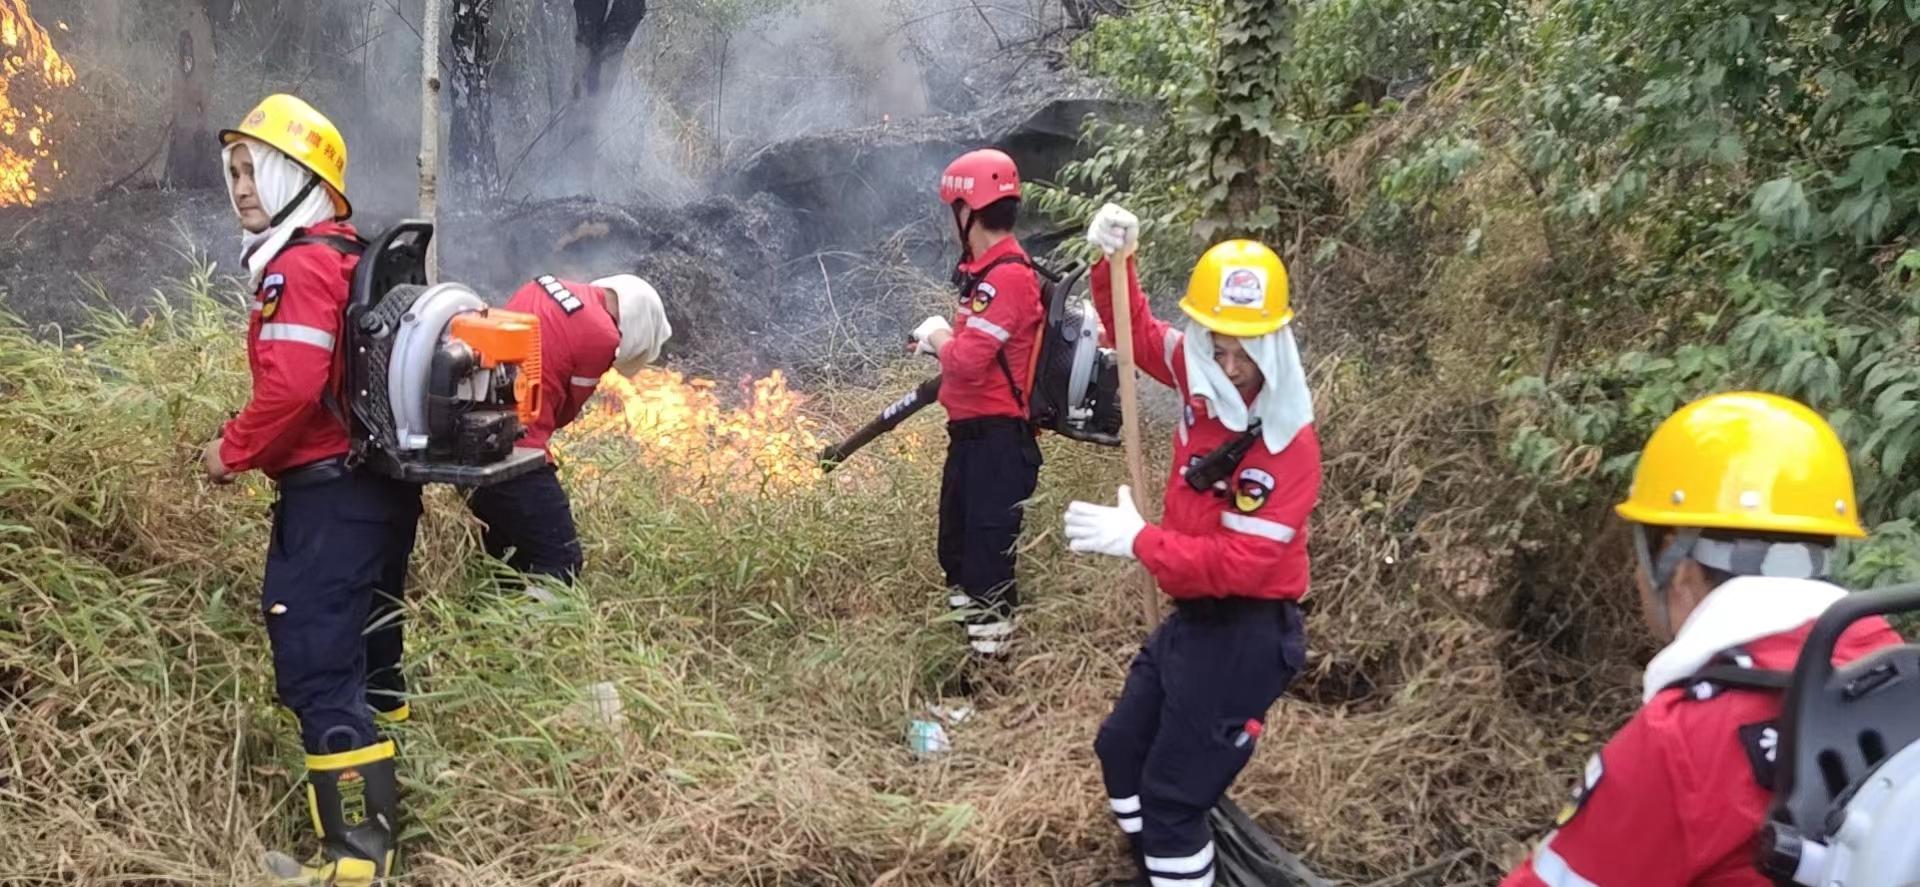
[(768, 647)]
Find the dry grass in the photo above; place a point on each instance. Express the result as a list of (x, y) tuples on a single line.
[(768, 649)]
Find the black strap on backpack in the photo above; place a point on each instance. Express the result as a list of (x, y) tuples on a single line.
[(1731, 670), (1735, 677), (971, 283), (346, 246), (340, 243)]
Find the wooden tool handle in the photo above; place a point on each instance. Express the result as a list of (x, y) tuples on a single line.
[(1130, 411)]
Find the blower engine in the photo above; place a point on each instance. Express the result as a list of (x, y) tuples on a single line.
[(1076, 383), (440, 386)]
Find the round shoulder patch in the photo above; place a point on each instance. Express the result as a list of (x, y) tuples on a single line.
[(1251, 490), (983, 295), (271, 289), (1589, 781)]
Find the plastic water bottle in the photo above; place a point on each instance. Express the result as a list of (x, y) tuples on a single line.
[(928, 739)]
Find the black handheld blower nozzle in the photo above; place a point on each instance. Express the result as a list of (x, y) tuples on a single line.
[(897, 412)]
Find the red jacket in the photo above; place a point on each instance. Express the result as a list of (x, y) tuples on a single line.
[(1246, 540), (293, 331), (1676, 797), (1002, 314), (577, 341)]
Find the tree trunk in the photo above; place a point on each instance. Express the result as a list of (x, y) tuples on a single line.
[(430, 127), (475, 165), (602, 29), (191, 160)]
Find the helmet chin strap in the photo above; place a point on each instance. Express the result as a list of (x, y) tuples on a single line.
[(1658, 570), (313, 181), (966, 232)]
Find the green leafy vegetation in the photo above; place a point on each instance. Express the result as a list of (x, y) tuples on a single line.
[(1660, 199)]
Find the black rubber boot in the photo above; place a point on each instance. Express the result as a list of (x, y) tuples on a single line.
[(355, 799)]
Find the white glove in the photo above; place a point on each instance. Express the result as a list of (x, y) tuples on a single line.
[(925, 331), (1104, 529), (1114, 230)]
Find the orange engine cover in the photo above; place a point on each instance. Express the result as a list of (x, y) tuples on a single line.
[(506, 337)]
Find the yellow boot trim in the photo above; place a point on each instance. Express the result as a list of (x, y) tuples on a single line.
[(398, 715), (322, 872), (359, 757), (354, 872), (313, 810)]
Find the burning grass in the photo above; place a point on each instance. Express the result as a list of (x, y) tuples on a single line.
[(682, 428), (768, 646), (31, 72)]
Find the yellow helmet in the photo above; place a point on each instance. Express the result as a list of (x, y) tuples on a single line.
[(295, 129), (1745, 461), (1239, 289)]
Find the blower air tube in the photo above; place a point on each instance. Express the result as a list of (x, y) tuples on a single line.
[(890, 418)]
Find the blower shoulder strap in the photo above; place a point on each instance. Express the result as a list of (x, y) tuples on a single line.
[(346, 246), (1000, 356), (1713, 677), (340, 243)]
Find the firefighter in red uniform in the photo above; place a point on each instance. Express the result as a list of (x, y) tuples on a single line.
[(340, 538), (585, 329), (1735, 507), (985, 353), (1231, 551)]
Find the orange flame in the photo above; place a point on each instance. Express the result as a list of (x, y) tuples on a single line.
[(680, 427), (29, 65)]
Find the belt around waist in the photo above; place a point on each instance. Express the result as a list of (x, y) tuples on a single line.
[(974, 429), (1213, 608), (312, 473)]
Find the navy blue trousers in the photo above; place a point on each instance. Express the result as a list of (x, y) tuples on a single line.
[(992, 467), (1178, 735), (529, 524), (337, 557)]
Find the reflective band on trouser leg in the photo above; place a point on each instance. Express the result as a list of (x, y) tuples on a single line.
[(1204, 879), (989, 637), (583, 381), (1553, 870), (1126, 811), (1182, 871)]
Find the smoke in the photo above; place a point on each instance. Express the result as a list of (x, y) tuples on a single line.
[(702, 85)]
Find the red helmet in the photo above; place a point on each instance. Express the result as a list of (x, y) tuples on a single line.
[(980, 178)]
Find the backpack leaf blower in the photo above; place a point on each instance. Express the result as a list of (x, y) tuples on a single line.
[(1847, 779), (1076, 382), (440, 386)]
